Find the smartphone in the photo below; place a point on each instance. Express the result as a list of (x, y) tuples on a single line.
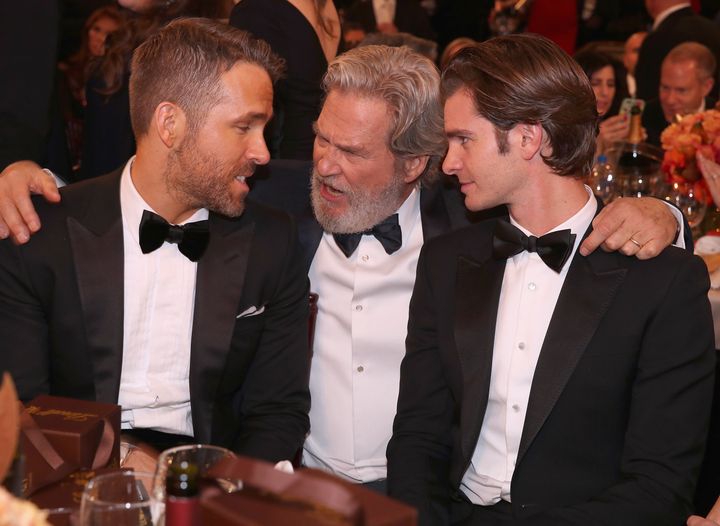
[(629, 103)]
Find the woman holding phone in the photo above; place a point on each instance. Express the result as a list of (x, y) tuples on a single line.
[(607, 77)]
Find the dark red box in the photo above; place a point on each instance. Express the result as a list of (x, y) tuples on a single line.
[(85, 435), (306, 498)]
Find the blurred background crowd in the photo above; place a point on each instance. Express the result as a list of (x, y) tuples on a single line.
[(65, 63)]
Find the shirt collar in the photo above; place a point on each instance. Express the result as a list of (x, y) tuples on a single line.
[(409, 212), (132, 204), (578, 223), (669, 11)]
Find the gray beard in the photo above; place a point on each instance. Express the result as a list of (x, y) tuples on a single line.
[(365, 209)]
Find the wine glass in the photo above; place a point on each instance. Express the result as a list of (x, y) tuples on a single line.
[(120, 498), (692, 206), (202, 455)]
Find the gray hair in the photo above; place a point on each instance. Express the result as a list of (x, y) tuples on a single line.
[(410, 85)]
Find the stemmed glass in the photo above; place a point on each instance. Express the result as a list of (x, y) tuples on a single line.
[(121, 498), (203, 456), (692, 206)]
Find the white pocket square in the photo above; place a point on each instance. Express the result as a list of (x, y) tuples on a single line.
[(251, 311)]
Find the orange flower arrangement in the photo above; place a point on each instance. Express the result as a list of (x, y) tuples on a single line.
[(699, 132)]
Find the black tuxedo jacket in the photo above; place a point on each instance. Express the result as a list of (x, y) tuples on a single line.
[(681, 26), (61, 318), (619, 405)]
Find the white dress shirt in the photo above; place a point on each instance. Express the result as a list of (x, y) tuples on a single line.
[(384, 11), (159, 298), (528, 296), (359, 344)]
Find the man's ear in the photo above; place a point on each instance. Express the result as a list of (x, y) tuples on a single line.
[(169, 122), (528, 139), (707, 85), (413, 167)]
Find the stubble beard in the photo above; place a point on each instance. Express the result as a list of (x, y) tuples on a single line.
[(201, 181)]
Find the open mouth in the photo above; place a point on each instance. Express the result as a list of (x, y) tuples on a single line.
[(330, 193)]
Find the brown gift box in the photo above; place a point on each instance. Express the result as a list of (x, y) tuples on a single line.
[(307, 497), (73, 434)]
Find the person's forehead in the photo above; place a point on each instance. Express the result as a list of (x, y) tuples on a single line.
[(684, 71), (354, 111)]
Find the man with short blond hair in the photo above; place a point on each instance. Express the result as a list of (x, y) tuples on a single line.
[(674, 22), (686, 80)]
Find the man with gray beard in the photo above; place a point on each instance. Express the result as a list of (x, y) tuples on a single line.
[(377, 195)]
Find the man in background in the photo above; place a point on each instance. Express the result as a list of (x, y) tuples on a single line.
[(686, 80)]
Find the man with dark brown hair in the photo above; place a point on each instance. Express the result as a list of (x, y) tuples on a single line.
[(158, 287), (541, 386)]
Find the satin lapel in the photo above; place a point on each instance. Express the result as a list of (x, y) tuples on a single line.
[(476, 302), (96, 238), (309, 234), (220, 280), (588, 292)]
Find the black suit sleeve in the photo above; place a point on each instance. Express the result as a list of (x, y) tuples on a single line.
[(23, 326), (668, 420), (420, 449), (275, 398)]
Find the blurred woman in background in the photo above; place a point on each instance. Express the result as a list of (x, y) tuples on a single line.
[(607, 77), (108, 139), (73, 74)]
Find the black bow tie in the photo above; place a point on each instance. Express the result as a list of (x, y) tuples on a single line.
[(553, 248), (388, 233), (191, 238)]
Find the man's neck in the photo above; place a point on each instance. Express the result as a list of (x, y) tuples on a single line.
[(149, 177), (547, 202)]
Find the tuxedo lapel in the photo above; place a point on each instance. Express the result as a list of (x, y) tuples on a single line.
[(433, 212), (220, 280), (309, 235), (476, 303), (586, 295), (96, 240)]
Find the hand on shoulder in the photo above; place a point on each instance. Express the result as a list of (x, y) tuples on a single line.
[(18, 181)]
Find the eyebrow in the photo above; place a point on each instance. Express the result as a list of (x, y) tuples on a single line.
[(253, 116), (355, 150), (459, 133)]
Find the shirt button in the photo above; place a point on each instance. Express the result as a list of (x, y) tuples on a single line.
[(358, 308), (365, 257), (521, 345), (532, 286), (515, 408), (360, 369)]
